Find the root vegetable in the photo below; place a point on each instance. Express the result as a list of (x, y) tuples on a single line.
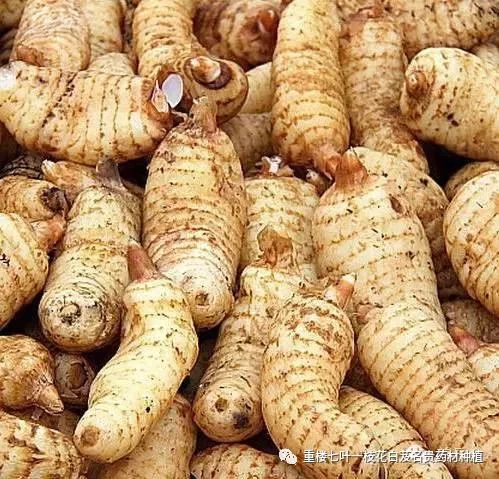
[(80, 309), (6, 43), (10, 13), (240, 460), (488, 52), (64, 422), (259, 99), (165, 452), (415, 365), (27, 165), (483, 357), (29, 451), (104, 19), (95, 115), (365, 226), (278, 200), (429, 203), (165, 43), (73, 373), (195, 213), (113, 63), (53, 33), (467, 173), (373, 61), (250, 135), (473, 317), (35, 200), (24, 260), (441, 86), (471, 226), (227, 406), (442, 23), (310, 124), (136, 387), (433, 23), (74, 178), (393, 433), (244, 31), (27, 375), (310, 346)]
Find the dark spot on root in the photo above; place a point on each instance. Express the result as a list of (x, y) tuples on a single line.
[(5, 259), (70, 313), (90, 436), (396, 205), (148, 409), (221, 404), (54, 199), (240, 420), (201, 299)]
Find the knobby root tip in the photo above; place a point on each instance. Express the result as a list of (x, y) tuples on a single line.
[(158, 107), (267, 22), (464, 340), (204, 114), (211, 73), (325, 159), (49, 232), (140, 266), (345, 289), (48, 168), (108, 172), (417, 84), (350, 172), (49, 400)]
